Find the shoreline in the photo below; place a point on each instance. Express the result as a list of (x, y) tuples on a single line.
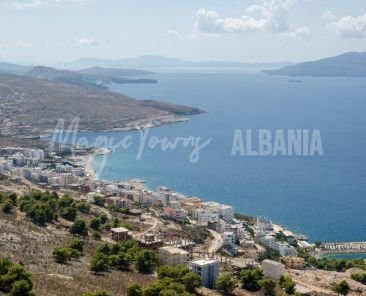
[(88, 162), (140, 124)]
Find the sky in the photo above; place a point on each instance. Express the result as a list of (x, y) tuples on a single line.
[(54, 31)]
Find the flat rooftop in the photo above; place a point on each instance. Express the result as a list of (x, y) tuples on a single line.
[(119, 229), (202, 262), (174, 250)]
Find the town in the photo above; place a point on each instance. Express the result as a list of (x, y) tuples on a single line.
[(236, 241)]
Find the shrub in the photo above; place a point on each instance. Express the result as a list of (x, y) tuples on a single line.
[(79, 228), (14, 279), (146, 261), (268, 287), (7, 206), (226, 283), (359, 277), (287, 284), (341, 288), (251, 278), (134, 290), (62, 254), (99, 263)]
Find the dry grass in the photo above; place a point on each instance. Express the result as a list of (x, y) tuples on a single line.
[(32, 245)]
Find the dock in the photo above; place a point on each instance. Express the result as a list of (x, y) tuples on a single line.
[(343, 248)]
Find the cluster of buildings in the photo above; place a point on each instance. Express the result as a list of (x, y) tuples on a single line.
[(267, 236), (45, 169), (52, 170)]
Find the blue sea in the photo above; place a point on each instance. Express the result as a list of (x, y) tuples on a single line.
[(323, 197)]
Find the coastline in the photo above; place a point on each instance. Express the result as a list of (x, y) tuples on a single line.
[(88, 161)]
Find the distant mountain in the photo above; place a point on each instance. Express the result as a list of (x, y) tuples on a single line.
[(93, 81), (156, 61), (351, 64), (116, 72), (14, 68)]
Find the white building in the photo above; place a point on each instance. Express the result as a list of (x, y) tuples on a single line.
[(208, 270), (66, 179), (228, 239), (273, 269), (172, 256), (34, 153), (264, 225), (203, 216), (225, 212), (285, 249)]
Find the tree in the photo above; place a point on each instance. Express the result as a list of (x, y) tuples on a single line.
[(269, 287), (191, 281), (77, 244), (251, 279), (79, 228), (7, 206), (97, 235), (341, 288), (120, 261), (83, 207), (97, 293), (99, 200), (65, 201), (21, 288), (14, 279), (134, 290), (287, 284), (95, 223), (99, 263), (146, 261), (226, 283), (69, 213), (62, 254)]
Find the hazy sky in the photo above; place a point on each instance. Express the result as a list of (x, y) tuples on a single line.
[(50, 31)]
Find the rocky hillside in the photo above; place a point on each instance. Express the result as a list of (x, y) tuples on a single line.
[(32, 106)]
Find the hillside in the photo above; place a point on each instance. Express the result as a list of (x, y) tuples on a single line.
[(352, 64), (14, 68), (33, 106)]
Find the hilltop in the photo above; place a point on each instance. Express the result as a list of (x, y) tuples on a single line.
[(351, 64)]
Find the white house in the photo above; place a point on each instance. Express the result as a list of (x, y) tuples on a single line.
[(207, 269)]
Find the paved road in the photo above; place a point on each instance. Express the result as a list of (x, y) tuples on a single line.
[(216, 243)]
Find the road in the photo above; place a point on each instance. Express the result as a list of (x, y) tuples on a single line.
[(216, 243)]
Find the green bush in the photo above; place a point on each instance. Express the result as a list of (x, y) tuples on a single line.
[(14, 280), (79, 228), (359, 277), (226, 283), (62, 254), (251, 278)]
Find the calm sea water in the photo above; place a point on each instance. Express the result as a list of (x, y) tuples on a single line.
[(322, 197)]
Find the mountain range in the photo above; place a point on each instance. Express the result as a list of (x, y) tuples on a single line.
[(156, 61), (351, 64)]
